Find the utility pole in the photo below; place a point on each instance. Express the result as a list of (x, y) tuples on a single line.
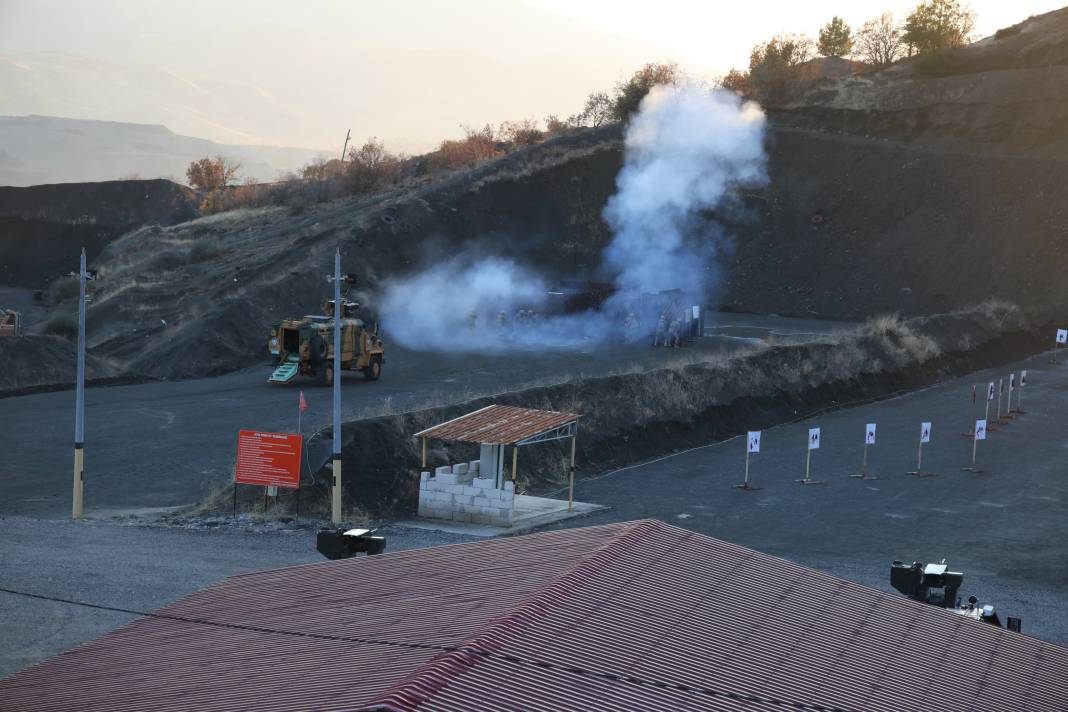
[(79, 399), (336, 493), (348, 135)]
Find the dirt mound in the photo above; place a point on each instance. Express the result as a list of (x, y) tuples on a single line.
[(33, 363), (1008, 90), (43, 228)]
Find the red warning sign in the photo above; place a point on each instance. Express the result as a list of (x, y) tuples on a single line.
[(268, 459)]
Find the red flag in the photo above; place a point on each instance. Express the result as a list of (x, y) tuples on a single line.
[(303, 403)]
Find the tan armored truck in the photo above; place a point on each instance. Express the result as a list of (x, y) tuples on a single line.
[(305, 346)]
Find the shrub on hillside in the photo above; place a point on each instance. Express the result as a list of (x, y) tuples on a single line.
[(629, 94), (64, 325), (63, 289), (202, 251), (477, 146), (212, 173)]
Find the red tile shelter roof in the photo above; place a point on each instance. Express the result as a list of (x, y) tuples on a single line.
[(499, 425), (640, 615)]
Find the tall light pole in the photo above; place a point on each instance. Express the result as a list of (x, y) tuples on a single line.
[(79, 399), (336, 459)]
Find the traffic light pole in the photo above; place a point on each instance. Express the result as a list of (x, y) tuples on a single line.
[(79, 399), (336, 460)]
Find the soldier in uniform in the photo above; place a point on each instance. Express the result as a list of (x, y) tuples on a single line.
[(660, 339), (674, 333)]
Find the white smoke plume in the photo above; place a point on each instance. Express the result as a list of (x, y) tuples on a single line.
[(687, 151)]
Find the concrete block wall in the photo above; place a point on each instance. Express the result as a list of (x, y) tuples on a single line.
[(456, 493)]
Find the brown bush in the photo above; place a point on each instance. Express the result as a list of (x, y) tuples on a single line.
[(520, 133), (212, 173), (371, 167), (477, 146)]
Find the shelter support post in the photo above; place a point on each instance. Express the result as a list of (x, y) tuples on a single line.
[(424, 453), (571, 476), (515, 458)]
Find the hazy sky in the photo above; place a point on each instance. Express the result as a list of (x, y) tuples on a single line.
[(413, 71)]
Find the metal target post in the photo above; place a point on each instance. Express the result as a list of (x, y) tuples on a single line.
[(813, 444), (1001, 392), (79, 400), (1019, 394)]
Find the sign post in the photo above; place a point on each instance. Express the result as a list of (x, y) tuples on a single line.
[(813, 444), (270, 460), (989, 398), (752, 445), (869, 439), (925, 437), (980, 434), (1062, 338)]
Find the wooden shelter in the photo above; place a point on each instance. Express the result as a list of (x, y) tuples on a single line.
[(496, 427)]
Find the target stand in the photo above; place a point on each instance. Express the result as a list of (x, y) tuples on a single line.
[(974, 470), (864, 474), (808, 481), (747, 487)]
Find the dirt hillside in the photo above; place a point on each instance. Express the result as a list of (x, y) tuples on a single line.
[(906, 190), (43, 228)]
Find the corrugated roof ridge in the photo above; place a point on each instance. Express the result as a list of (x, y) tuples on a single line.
[(409, 693)]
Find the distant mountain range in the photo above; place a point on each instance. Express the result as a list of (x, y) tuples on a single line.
[(46, 149)]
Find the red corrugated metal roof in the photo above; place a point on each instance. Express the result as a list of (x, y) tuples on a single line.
[(549, 621), (499, 425)]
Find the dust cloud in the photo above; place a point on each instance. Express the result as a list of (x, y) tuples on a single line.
[(687, 152)]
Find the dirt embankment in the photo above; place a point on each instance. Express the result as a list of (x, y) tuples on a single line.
[(34, 363), (44, 227), (629, 417), (160, 311)]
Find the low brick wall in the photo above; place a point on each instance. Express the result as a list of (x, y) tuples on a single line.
[(457, 493)]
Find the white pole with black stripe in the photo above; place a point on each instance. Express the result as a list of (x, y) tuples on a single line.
[(79, 399), (336, 459)]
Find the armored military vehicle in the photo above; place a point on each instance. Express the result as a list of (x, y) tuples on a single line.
[(305, 346)]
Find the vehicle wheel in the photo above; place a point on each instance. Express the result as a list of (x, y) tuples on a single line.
[(373, 370), (326, 376)]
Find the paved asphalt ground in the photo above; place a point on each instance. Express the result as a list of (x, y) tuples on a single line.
[(1006, 530), (1003, 529), (167, 443)]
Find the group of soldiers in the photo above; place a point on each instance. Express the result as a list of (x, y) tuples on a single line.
[(521, 318), (668, 331)]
